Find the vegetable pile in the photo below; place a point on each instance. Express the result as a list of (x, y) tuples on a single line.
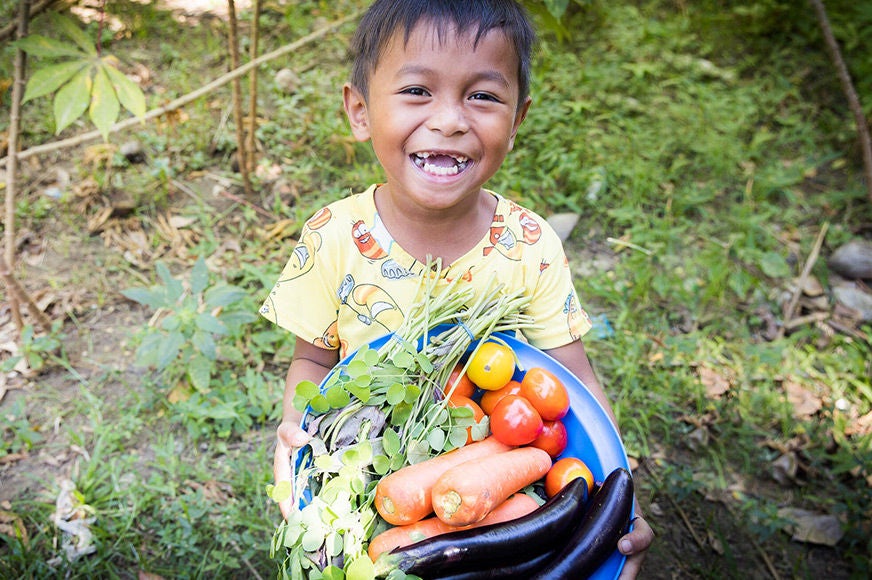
[(425, 461)]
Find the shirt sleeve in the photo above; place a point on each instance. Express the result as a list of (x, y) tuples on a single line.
[(304, 300), (554, 306)]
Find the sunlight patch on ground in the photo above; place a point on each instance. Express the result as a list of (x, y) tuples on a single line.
[(182, 9), (216, 7)]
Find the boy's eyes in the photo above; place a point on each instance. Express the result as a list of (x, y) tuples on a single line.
[(415, 91), (483, 97), (421, 92)]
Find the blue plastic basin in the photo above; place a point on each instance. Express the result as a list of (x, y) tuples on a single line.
[(592, 436)]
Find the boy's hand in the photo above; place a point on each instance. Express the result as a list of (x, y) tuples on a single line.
[(289, 435), (634, 545)]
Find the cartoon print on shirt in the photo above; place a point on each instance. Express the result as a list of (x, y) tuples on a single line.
[(371, 303), (575, 316), (530, 227), (508, 242), (366, 243), (330, 338), (302, 260), (320, 219), (392, 270)]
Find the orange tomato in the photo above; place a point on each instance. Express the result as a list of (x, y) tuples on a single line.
[(457, 401), (546, 392), (491, 366), (490, 399), (565, 470), (463, 387)]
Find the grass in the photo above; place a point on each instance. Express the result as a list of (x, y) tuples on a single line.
[(709, 137)]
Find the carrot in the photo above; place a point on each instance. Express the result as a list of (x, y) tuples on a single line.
[(516, 506), (403, 497), (467, 492)]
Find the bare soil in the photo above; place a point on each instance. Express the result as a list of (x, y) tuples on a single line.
[(696, 537)]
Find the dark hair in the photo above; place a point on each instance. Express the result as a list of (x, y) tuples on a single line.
[(385, 17)]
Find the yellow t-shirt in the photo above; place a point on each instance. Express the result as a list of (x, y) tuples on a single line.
[(348, 282)]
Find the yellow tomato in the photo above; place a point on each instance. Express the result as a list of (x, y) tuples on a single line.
[(491, 366)]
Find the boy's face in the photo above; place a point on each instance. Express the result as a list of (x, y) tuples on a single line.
[(441, 115)]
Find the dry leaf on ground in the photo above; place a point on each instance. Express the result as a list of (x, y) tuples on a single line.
[(715, 383), (812, 527), (805, 403), (13, 526)]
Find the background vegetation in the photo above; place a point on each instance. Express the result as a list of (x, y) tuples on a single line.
[(704, 145)]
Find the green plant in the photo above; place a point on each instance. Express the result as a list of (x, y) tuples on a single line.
[(196, 344), (85, 80), (183, 342), (35, 349), (18, 432)]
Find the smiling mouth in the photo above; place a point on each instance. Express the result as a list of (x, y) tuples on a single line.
[(440, 164)]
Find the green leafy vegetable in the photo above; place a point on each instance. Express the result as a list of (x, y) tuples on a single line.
[(377, 412)]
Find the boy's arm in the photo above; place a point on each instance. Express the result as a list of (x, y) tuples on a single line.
[(310, 363), (574, 357)]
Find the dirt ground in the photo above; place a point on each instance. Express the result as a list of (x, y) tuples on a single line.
[(696, 537), (75, 277)]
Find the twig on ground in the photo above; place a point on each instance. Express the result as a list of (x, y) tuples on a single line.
[(247, 203), (800, 283)]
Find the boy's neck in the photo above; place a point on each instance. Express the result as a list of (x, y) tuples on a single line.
[(448, 234)]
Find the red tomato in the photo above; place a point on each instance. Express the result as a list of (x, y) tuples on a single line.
[(565, 470), (490, 399), (491, 366), (552, 439), (456, 401), (546, 393), (514, 421), (464, 386)]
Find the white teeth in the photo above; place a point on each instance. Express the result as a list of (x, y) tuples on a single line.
[(460, 160), (437, 170)]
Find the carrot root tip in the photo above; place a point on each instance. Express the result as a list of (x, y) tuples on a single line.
[(451, 502)]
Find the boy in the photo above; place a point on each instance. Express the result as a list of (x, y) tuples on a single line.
[(440, 88)]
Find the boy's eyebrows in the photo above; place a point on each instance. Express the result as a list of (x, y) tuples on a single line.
[(422, 70)]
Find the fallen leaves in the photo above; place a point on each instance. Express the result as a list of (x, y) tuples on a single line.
[(13, 526), (805, 403), (812, 527), (716, 382)]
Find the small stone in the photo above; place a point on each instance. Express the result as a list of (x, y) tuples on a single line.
[(854, 298), (563, 224), (812, 287), (287, 81), (133, 152), (853, 260)]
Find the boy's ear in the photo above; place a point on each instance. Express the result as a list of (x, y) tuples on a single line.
[(355, 108), (519, 118)]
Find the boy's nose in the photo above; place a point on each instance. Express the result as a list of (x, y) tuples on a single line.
[(448, 119)]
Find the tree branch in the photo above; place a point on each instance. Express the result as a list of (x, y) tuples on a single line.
[(241, 155), (19, 65), (9, 30), (848, 88)]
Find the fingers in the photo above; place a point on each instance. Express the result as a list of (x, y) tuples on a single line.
[(292, 435), (288, 436), (634, 545), (632, 567)]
